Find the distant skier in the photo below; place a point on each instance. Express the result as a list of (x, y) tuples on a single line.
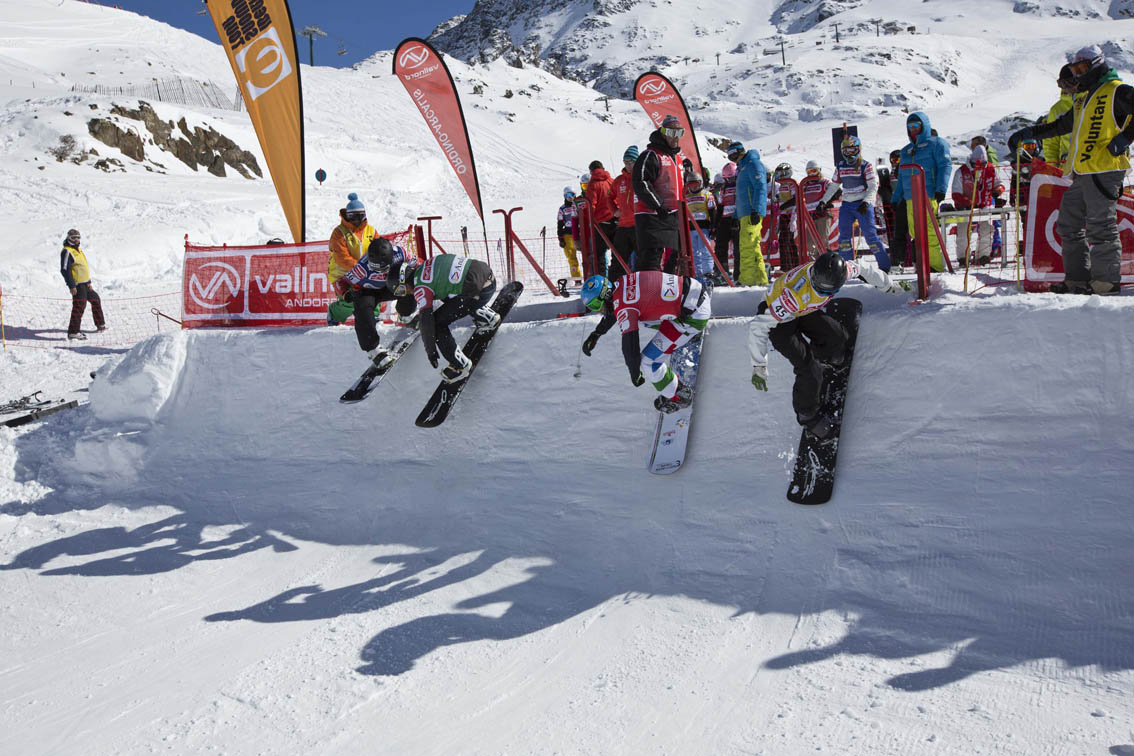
[(860, 188), (77, 273), (564, 223), (789, 319), (364, 288), (446, 289), (678, 306)]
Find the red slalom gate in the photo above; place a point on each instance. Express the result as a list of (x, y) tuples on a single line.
[(511, 241)]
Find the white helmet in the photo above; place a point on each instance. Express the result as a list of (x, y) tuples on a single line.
[(813, 164), (718, 179)]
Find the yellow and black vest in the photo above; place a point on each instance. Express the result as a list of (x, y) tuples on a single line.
[(80, 271), (1094, 127)]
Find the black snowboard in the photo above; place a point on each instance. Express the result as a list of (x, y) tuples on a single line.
[(372, 376), (437, 409), (814, 477)]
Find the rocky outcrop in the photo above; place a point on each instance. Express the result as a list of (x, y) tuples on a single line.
[(195, 147)]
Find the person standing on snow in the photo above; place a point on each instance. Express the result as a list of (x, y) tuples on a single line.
[(701, 207), (446, 289), (678, 306), (623, 188), (1101, 125), (600, 196), (790, 319), (975, 187), (726, 231), (814, 188), (860, 188), (564, 223), (932, 154), (751, 207), (1055, 148), (364, 287), (349, 242), (657, 190), (77, 273)]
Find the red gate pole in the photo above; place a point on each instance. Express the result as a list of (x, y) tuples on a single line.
[(920, 227), (429, 225)]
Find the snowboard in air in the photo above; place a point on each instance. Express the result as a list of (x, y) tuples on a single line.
[(813, 480), (439, 405), (373, 375), (671, 435)]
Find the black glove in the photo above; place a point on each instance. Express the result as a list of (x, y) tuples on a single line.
[(637, 379), (662, 212), (1000, 202), (562, 243), (348, 296), (939, 196), (1017, 137), (433, 361), (1118, 145), (590, 342), (753, 217), (944, 207), (864, 209)]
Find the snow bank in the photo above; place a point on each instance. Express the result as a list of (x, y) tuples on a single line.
[(138, 386)]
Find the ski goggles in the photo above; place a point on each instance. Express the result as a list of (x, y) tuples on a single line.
[(673, 132), (1029, 145), (1080, 67), (812, 171), (913, 127), (355, 217)]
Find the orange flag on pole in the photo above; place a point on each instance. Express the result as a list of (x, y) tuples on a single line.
[(260, 41)]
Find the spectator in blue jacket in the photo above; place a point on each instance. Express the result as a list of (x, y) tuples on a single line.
[(932, 154), (751, 204)]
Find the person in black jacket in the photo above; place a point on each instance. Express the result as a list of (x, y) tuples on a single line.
[(658, 188)]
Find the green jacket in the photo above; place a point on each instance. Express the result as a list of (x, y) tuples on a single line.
[(1055, 148)]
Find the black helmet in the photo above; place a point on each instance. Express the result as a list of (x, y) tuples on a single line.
[(381, 253), (400, 278), (783, 171), (895, 156), (828, 273)]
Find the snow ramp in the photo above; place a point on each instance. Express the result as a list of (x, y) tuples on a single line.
[(216, 553)]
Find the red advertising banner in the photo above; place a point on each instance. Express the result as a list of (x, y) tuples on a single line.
[(659, 98), (426, 77), (1043, 248), (246, 287)]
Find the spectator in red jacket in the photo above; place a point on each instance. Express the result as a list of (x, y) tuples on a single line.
[(600, 197), (624, 203), (975, 186)]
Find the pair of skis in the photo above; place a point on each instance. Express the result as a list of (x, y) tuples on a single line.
[(443, 398), (28, 409), (813, 479)]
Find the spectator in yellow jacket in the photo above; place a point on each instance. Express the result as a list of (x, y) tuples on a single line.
[(77, 273), (1055, 148), (349, 242)]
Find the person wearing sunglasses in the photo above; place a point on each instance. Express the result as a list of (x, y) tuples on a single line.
[(77, 273), (679, 307), (814, 187), (350, 240), (932, 154), (751, 207), (1101, 128), (658, 189), (859, 183), (726, 234)]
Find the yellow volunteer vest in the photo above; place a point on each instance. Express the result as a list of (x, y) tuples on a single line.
[(792, 295), (80, 271), (1094, 128), (357, 249)]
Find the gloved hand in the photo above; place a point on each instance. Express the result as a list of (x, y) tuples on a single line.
[(899, 287), (433, 361), (754, 217), (939, 196), (999, 202), (662, 212), (863, 209), (638, 379), (1017, 137), (760, 377), (1118, 145), (590, 342), (944, 207)]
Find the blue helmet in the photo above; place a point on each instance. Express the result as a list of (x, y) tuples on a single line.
[(736, 148), (596, 290)]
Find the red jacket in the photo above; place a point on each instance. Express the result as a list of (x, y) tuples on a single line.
[(987, 189), (600, 195), (624, 199)]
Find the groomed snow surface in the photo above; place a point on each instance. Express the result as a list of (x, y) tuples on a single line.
[(215, 556)]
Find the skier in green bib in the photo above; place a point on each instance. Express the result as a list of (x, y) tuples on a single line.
[(446, 289)]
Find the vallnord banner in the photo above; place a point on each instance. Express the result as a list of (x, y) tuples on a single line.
[(1043, 248), (429, 84), (260, 41), (659, 98)]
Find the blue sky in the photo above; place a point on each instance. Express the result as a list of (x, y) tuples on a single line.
[(360, 26)]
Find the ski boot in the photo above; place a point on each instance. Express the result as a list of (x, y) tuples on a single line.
[(414, 322), (486, 319), (458, 369), (819, 425), (682, 399), (380, 357), (1070, 287)]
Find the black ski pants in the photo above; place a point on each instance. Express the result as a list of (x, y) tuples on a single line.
[(624, 241), (83, 294), (726, 233), (900, 248), (453, 310), (806, 342), (365, 302)]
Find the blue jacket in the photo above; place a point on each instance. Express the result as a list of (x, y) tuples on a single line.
[(932, 154), (751, 185)]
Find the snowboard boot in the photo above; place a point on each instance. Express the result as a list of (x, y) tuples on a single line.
[(414, 322), (458, 369), (818, 425), (682, 399), (1105, 288), (380, 357), (486, 319), (1070, 287)]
